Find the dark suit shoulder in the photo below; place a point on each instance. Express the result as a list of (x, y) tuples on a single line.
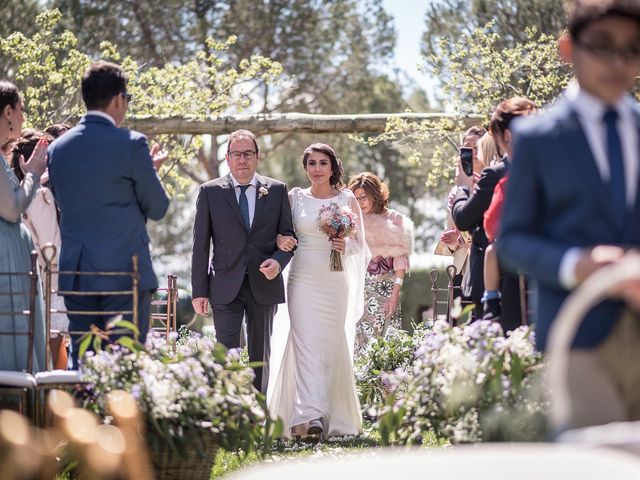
[(132, 135), (216, 182), (544, 124)]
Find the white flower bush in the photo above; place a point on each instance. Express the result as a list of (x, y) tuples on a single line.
[(198, 388), (465, 384)]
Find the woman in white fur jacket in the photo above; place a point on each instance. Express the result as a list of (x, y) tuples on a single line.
[(389, 235)]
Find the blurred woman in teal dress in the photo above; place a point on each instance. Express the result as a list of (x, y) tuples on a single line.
[(15, 241)]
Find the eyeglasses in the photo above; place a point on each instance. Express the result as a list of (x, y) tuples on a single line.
[(360, 198), (247, 154), (128, 96), (602, 51)]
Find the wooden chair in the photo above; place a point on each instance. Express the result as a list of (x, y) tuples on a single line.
[(526, 303), (72, 379), (22, 384), (166, 321)]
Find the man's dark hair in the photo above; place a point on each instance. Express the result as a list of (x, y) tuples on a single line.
[(101, 82), (581, 13), (240, 134)]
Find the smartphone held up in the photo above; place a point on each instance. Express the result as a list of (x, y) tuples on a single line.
[(466, 160)]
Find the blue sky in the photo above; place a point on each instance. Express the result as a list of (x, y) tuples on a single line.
[(409, 22)]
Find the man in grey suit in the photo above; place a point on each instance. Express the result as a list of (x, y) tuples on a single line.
[(105, 184), (241, 214)]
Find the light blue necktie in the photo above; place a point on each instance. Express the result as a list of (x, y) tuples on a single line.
[(244, 206), (616, 166)]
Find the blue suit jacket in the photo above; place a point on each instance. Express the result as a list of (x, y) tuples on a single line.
[(556, 199), (104, 183)]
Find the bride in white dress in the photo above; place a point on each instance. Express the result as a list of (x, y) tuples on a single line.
[(314, 391)]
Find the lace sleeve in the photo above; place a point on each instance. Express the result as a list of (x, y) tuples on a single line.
[(14, 200)]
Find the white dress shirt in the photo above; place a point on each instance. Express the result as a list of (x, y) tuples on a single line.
[(102, 114), (250, 193), (590, 112)]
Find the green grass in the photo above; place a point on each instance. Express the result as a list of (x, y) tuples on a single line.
[(227, 462)]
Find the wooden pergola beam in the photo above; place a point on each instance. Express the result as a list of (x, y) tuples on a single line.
[(261, 124)]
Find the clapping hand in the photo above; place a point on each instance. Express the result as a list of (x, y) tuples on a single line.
[(286, 243), (37, 163), (450, 237), (158, 155)]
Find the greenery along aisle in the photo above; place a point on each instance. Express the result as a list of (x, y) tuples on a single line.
[(194, 399), (463, 384)]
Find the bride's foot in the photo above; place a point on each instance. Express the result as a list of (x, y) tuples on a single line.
[(299, 431), (314, 427)]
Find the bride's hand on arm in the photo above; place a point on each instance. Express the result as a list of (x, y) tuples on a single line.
[(286, 243)]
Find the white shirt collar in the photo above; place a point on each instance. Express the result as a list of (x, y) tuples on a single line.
[(102, 114), (591, 107), (236, 183)]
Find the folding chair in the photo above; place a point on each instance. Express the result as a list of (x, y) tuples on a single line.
[(166, 321), (72, 379), (13, 383)]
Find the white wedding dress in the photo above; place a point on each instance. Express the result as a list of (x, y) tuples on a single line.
[(314, 365)]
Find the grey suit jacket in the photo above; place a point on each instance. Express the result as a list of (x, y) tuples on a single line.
[(236, 251)]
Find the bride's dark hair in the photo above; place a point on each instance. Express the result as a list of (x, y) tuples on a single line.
[(337, 170)]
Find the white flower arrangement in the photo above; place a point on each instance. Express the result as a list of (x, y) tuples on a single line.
[(198, 387), (262, 192), (464, 383)]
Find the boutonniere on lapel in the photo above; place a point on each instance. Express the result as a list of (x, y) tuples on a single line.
[(262, 192)]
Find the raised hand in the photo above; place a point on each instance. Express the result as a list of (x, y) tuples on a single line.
[(158, 155), (37, 163), (286, 243), (462, 180), (450, 237)]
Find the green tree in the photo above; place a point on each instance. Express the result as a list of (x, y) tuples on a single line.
[(17, 15), (475, 78), (509, 19)]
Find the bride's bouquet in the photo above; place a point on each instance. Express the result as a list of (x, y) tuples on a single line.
[(336, 222)]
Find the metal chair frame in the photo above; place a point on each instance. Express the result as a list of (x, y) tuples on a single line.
[(449, 291), (25, 395)]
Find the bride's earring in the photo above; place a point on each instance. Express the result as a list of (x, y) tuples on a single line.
[(10, 126)]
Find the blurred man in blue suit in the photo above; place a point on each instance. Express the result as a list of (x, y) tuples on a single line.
[(573, 205), (106, 186)]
